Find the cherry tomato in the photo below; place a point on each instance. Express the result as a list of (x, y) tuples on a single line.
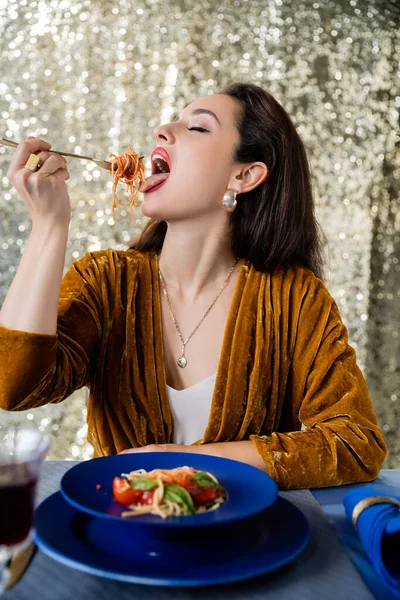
[(126, 495), (203, 495)]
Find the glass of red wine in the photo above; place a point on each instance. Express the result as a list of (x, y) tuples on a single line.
[(22, 452)]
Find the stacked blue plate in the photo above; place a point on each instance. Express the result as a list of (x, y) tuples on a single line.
[(253, 532)]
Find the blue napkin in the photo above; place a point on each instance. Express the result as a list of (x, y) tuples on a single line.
[(378, 527)]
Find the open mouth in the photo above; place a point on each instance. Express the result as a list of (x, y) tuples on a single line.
[(159, 165), (160, 171)]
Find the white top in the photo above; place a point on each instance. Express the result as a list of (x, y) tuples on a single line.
[(190, 410)]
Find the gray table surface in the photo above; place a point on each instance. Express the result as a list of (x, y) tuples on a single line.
[(323, 571)]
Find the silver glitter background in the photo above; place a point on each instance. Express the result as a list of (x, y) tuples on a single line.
[(93, 76)]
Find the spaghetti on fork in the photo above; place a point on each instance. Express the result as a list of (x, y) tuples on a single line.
[(127, 168)]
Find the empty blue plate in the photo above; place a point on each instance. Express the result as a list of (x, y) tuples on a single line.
[(248, 490), (181, 557)]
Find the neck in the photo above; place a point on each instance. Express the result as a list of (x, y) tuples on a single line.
[(195, 257)]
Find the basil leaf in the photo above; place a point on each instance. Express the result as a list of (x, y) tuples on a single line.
[(142, 483), (178, 494), (203, 478)]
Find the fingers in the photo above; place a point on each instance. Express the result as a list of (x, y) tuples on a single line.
[(43, 156), (50, 164), (25, 149)]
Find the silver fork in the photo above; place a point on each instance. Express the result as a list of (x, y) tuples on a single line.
[(104, 164)]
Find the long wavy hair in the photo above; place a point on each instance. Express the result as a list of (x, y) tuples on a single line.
[(275, 223)]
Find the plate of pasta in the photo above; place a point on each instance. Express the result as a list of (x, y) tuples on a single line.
[(168, 489)]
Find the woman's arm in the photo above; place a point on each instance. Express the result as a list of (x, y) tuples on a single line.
[(326, 394), (243, 451), (38, 367), (32, 300)]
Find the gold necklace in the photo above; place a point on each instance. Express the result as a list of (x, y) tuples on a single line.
[(182, 361)]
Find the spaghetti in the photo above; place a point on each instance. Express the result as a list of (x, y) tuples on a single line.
[(168, 492), (129, 169)]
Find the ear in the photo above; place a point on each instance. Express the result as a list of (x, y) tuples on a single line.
[(249, 177)]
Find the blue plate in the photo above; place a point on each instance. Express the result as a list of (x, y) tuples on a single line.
[(249, 490), (109, 549)]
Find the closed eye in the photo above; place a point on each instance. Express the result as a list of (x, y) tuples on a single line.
[(198, 129)]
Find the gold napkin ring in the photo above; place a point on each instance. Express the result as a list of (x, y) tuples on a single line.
[(33, 162), (370, 501)]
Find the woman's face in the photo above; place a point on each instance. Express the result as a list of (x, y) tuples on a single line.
[(201, 160)]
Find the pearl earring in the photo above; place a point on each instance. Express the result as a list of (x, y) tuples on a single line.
[(229, 201)]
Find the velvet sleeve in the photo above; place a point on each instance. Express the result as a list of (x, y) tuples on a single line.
[(326, 396), (37, 369)]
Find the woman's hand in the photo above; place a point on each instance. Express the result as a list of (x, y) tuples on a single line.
[(164, 448), (44, 191), (243, 451)]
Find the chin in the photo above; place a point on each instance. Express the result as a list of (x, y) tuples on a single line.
[(153, 209), (159, 207)]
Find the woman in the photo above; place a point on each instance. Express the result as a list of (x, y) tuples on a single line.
[(221, 297)]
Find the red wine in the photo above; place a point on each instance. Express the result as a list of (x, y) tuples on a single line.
[(17, 494)]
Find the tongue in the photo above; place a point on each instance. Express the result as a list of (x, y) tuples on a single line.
[(152, 181)]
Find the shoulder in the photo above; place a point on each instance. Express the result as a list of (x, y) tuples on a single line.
[(294, 278), (111, 260), (103, 269), (296, 288)]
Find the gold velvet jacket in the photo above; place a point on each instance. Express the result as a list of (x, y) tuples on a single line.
[(287, 378)]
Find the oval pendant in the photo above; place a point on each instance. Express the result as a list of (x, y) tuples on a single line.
[(182, 362)]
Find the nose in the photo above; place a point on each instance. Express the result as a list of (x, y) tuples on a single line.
[(163, 132)]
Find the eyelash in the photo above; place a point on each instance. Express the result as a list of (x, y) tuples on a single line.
[(198, 129)]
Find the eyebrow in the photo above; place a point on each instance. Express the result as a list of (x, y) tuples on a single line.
[(199, 111)]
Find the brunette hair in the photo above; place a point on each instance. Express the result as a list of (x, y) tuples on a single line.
[(275, 223)]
